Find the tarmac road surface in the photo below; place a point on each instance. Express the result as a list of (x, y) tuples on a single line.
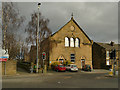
[(52, 79)]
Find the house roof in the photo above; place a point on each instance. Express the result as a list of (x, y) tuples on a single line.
[(108, 46), (78, 27)]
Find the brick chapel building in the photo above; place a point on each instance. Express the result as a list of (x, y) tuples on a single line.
[(69, 43)]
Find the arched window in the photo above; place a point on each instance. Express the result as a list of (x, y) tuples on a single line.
[(71, 42), (66, 42), (77, 42)]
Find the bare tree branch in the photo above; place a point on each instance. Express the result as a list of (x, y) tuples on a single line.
[(11, 21), (31, 29)]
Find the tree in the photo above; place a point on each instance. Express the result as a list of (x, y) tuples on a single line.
[(13, 46), (44, 31), (11, 21)]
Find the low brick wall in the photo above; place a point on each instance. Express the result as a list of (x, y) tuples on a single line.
[(10, 67)]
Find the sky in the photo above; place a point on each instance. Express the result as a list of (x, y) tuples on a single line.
[(99, 20)]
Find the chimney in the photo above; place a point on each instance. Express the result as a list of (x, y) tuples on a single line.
[(112, 43)]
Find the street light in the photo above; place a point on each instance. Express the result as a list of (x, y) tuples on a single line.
[(37, 38)]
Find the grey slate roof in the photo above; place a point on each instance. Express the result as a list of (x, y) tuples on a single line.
[(108, 46)]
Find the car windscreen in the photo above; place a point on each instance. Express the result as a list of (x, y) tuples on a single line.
[(74, 66), (61, 66)]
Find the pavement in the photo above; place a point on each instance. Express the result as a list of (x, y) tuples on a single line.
[(53, 79), (97, 71), (23, 72)]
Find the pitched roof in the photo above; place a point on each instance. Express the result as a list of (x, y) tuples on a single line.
[(76, 24), (108, 46)]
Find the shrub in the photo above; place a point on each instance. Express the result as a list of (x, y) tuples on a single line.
[(67, 62), (55, 63)]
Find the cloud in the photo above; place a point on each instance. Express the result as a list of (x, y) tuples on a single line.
[(98, 20)]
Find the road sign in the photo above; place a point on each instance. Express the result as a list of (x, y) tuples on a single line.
[(4, 55), (3, 59)]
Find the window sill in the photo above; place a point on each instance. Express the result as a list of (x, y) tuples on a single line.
[(72, 47)]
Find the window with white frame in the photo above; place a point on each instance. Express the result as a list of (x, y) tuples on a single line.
[(107, 53), (71, 42), (72, 56), (108, 62), (77, 42), (66, 42)]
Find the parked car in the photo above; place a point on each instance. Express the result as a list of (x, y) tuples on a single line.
[(59, 68), (86, 68), (72, 67)]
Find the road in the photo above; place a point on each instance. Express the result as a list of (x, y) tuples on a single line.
[(54, 79)]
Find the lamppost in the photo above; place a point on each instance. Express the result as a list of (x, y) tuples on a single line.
[(38, 37)]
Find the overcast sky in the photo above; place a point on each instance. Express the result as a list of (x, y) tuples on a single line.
[(98, 20)]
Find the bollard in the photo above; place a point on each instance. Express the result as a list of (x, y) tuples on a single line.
[(42, 70), (116, 73), (110, 72), (31, 69)]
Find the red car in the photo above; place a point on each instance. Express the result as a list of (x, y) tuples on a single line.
[(60, 68)]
